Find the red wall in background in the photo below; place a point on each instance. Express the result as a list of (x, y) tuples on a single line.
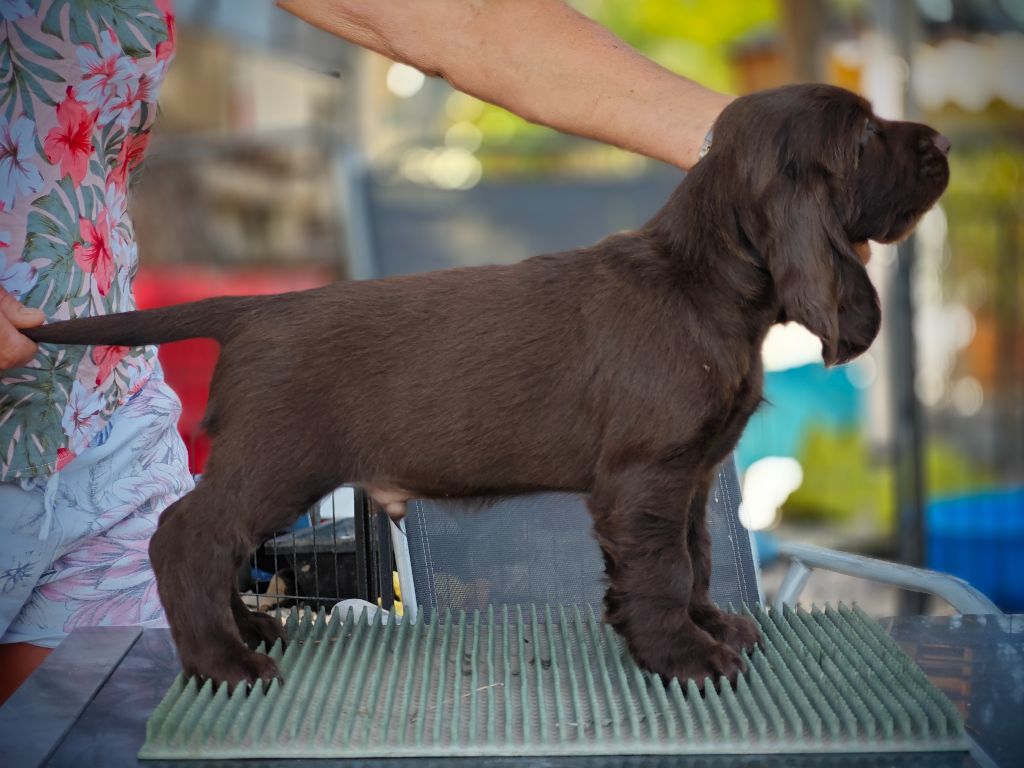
[(188, 365)]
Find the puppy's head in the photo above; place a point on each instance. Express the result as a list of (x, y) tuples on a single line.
[(809, 170)]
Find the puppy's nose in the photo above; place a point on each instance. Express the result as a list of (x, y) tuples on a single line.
[(942, 143)]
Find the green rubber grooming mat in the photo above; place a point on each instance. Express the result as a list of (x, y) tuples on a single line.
[(555, 681)]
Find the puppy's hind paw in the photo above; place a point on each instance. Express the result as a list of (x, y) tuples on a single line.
[(257, 628), (257, 669), (246, 668)]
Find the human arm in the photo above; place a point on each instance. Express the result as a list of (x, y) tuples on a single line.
[(15, 348), (540, 59)]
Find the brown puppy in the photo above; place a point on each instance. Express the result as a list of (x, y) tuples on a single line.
[(626, 370)]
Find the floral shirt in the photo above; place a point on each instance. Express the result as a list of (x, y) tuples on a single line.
[(78, 89)]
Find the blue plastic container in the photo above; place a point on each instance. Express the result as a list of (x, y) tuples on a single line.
[(980, 538)]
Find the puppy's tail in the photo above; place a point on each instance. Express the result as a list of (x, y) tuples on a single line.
[(208, 318)]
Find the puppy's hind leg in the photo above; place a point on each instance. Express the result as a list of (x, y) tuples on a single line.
[(194, 554)]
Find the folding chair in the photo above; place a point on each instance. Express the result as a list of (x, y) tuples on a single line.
[(538, 548)]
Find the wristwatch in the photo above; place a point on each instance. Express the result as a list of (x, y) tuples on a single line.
[(706, 146)]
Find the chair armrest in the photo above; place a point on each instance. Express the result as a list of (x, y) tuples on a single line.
[(806, 557)]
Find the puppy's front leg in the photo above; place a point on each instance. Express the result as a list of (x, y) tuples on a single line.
[(641, 522), (738, 631)]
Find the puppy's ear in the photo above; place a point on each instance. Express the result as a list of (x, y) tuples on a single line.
[(818, 278), (860, 312)]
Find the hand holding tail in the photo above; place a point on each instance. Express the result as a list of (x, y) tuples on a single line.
[(16, 349)]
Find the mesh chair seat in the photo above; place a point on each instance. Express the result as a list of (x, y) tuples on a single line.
[(538, 548)]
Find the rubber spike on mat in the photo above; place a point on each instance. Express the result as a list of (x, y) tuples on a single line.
[(426, 665), (582, 695), (662, 708), (762, 703), (331, 713), (228, 714), (191, 720), (613, 713), (363, 662), (455, 719), (885, 703), (397, 733), (187, 694), (394, 654), (472, 714), (617, 675), (720, 721), (252, 726), (752, 716), (211, 715), (537, 652), (302, 686), (521, 675), (387, 664), (587, 672), (554, 681), (931, 713), (325, 688), (783, 685), (561, 701), (700, 711), (491, 676), (681, 709), (733, 712), (649, 715)]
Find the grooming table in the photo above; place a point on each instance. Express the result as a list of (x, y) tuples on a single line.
[(88, 703)]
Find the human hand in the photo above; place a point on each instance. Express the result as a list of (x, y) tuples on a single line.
[(15, 348)]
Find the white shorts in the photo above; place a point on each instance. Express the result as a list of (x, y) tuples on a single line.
[(74, 546)]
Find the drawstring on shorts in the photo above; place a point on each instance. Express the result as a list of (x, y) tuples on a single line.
[(49, 501)]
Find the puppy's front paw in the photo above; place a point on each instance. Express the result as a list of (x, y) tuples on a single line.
[(737, 631), (691, 654), (714, 660)]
